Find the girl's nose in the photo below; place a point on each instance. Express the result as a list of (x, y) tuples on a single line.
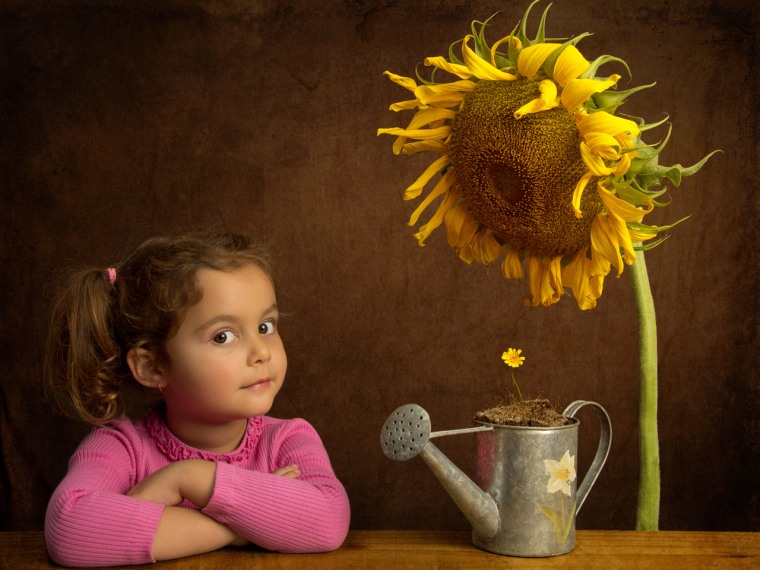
[(258, 351)]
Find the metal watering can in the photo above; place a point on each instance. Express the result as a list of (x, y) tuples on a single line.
[(529, 500)]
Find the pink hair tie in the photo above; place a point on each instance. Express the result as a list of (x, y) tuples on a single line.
[(111, 275)]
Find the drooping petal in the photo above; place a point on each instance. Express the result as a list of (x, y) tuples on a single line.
[(496, 45), (578, 193), (620, 208), (605, 249), (485, 247), (453, 68), (481, 68), (404, 105), (577, 275), (460, 226), (547, 100), (577, 91), (422, 146), (511, 267), (594, 162), (545, 280), (448, 202), (426, 116), (569, 65), (604, 145), (533, 57), (405, 82), (603, 122), (435, 167), (445, 95), (422, 134)]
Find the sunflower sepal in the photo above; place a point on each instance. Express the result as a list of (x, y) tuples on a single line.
[(653, 172), (648, 246), (609, 101), (644, 228), (594, 66), (522, 33), (631, 193)]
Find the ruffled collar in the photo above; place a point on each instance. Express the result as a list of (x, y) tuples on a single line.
[(173, 448)]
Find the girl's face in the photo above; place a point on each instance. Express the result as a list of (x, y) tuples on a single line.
[(226, 360)]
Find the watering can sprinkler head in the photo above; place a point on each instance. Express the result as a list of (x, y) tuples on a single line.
[(406, 432)]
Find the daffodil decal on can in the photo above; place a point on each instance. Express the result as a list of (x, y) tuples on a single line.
[(535, 169), (561, 474)]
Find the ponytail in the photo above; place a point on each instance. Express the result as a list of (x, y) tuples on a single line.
[(84, 366)]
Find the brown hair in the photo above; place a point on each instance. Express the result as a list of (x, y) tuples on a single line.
[(96, 323)]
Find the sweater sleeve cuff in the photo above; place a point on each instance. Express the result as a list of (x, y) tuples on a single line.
[(224, 490)]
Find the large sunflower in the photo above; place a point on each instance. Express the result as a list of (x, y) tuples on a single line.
[(536, 167)]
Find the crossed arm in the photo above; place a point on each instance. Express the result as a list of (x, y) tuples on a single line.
[(184, 532)]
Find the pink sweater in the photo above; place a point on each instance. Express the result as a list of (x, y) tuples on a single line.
[(91, 521)]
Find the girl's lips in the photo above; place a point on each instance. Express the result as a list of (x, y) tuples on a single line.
[(259, 384)]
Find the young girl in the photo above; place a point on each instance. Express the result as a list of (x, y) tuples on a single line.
[(193, 319)]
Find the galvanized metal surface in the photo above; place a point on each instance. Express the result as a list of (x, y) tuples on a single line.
[(513, 511)]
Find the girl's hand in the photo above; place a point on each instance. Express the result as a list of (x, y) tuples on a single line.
[(192, 479), (289, 471)]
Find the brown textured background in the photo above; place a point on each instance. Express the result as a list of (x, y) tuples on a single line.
[(124, 119)]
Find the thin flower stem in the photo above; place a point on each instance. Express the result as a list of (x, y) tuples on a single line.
[(648, 509), (514, 381)]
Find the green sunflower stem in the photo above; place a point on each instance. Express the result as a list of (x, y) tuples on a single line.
[(648, 509)]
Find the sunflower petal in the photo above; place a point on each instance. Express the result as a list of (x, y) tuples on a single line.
[(547, 100), (604, 145), (453, 68), (594, 162), (544, 277), (578, 193), (485, 247), (460, 227), (511, 268), (620, 208), (481, 68), (422, 146), (447, 203), (416, 188), (422, 134), (604, 246), (577, 275), (569, 65), (532, 58), (603, 122), (430, 115), (577, 91), (405, 82), (404, 105)]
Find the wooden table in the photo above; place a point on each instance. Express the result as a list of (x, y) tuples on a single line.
[(424, 550)]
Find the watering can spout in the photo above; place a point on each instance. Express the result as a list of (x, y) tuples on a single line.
[(406, 434), (478, 507)]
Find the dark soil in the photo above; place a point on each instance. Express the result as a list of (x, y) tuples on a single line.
[(535, 413)]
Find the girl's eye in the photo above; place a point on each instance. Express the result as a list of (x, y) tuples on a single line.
[(224, 337), (267, 327)]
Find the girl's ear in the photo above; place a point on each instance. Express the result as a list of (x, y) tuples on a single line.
[(146, 368)]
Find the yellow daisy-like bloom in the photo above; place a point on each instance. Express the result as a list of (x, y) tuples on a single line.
[(512, 357), (536, 167)]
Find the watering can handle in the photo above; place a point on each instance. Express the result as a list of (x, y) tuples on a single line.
[(605, 437)]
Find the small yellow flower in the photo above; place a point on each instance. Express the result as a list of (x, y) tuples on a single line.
[(561, 473), (512, 357)]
